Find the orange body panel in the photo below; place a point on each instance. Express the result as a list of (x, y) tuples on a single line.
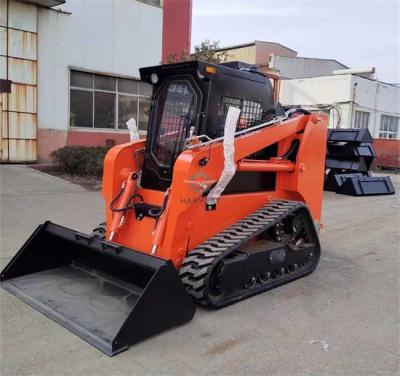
[(185, 222)]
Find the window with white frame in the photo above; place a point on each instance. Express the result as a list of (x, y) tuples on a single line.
[(100, 101), (389, 127), (361, 119)]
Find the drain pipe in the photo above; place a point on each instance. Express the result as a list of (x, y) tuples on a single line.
[(353, 101)]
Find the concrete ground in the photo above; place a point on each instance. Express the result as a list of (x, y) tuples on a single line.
[(341, 320)]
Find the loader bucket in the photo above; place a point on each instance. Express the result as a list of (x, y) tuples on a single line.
[(109, 295)]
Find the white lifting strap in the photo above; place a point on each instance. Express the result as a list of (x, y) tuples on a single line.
[(229, 170), (133, 130)]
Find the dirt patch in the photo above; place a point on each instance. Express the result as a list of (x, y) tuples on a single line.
[(222, 347)]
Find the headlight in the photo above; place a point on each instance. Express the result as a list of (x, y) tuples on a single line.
[(154, 78)]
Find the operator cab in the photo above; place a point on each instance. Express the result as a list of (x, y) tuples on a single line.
[(193, 98)]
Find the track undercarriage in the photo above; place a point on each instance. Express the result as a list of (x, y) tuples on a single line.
[(272, 246)]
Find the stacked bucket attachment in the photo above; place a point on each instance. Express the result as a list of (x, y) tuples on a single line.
[(109, 295), (350, 156)]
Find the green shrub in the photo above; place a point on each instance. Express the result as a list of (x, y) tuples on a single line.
[(81, 160)]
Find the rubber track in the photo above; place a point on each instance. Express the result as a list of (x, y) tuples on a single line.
[(200, 262)]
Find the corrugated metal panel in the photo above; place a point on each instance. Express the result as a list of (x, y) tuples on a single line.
[(245, 54), (22, 16), (3, 12), (4, 128), (22, 125), (22, 44), (22, 150), (3, 99), (21, 122), (22, 98), (4, 150), (22, 71), (3, 67), (3, 41)]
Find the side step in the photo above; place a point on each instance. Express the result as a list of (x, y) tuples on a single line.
[(109, 295)]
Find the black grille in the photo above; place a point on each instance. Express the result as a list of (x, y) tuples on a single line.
[(250, 113)]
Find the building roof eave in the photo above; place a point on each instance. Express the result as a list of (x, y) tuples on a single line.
[(276, 43), (45, 3), (253, 43)]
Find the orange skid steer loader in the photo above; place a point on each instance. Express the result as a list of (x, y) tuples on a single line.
[(222, 201)]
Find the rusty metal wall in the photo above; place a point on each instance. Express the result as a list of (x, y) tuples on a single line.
[(18, 62)]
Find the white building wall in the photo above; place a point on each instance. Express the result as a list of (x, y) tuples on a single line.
[(103, 36), (324, 90), (377, 98), (347, 93), (310, 91)]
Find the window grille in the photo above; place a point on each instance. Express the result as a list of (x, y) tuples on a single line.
[(176, 113), (389, 127), (361, 119), (250, 114)]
